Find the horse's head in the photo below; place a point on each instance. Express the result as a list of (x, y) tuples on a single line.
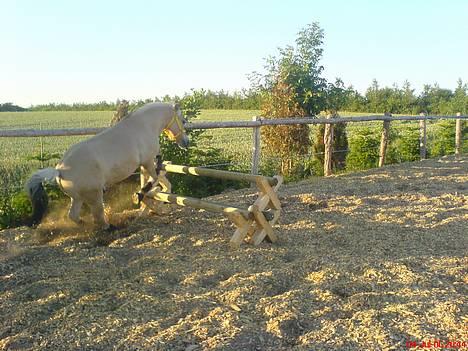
[(175, 128)]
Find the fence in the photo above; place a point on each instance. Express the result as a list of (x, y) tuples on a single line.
[(257, 123), (240, 142)]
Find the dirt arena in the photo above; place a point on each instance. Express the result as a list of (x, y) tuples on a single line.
[(365, 261)]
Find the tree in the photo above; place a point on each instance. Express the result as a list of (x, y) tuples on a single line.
[(459, 102), (292, 86), (409, 100), (298, 66), (10, 107), (435, 100), (373, 97)]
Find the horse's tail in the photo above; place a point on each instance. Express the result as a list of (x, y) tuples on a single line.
[(37, 194)]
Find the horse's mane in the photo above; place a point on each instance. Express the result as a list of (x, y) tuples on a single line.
[(121, 113)]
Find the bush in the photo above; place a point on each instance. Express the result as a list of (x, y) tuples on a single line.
[(195, 155), (286, 141), (15, 209), (403, 146), (364, 146), (442, 138)]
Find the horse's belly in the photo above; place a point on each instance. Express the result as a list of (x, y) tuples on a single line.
[(121, 172)]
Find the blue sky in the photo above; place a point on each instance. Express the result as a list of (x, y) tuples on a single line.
[(86, 51)]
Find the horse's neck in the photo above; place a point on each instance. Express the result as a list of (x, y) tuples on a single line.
[(156, 122), (159, 123)]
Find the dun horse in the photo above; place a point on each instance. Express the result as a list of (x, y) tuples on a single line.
[(92, 165)]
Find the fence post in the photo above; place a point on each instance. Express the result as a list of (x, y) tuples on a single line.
[(458, 133), (384, 140), (256, 147), (42, 147), (328, 143), (422, 137)]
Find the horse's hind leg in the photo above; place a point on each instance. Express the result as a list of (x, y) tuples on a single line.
[(74, 211), (96, 206)]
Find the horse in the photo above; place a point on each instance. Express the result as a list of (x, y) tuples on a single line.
[(91, 166)]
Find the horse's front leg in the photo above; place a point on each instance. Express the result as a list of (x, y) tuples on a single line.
[(159, 164), (152, 169)]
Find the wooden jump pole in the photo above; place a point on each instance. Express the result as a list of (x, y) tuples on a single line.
[(254, 224), (216, 173), (198, 203)]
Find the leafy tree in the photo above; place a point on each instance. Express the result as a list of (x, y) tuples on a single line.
[(10, 107), (409, 102), (373, 97), (292, 86), (298, 66), (354, 102), (435, 100), (459, 102)]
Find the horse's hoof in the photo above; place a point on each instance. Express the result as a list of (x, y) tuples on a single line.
[(137, 198), (159, 164), (111, 228), (79, 223)]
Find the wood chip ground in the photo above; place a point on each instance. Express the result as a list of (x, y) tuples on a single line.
[(364, 261)]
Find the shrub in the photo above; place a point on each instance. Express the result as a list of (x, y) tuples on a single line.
[(15, 208), (363, 149), (442, 138), (404, 145), (195, 155), (289, 141)]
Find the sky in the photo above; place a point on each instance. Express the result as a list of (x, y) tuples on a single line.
[(91, 50)]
